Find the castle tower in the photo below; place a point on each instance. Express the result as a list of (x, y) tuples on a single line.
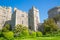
[(5, 15), (33, 18), (19, 17), (55, 13)]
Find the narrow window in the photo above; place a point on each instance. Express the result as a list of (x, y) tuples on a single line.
[(22, 15), (22, 22)]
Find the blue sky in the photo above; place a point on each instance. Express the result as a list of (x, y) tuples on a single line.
[(25, 5)]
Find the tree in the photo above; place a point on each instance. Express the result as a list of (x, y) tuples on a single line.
[(57, 18), (50, 26), (20, 30), (7, 27)]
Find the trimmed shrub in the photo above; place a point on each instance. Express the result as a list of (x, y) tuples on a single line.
[(33, 34), (8, 35), (25, 33), (39, 34), (48, 35), (2, 38)]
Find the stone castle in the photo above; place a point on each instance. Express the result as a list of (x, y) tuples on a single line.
[(30, 19), (55, 12)]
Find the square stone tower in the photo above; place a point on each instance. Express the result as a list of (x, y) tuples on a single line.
[(55, 13), (33, 18), (5, 15), (19, 17)]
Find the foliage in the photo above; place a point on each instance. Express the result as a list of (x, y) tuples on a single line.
[(33, 34), (21, 30), (50, 26), (0, 33), (8, 35), (57, 18), (6, 28), (25, 31), (39, 34), (2, 38)]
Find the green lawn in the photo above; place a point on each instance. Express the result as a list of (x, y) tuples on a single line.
[(38, 38), (48, 38), (41, 38)]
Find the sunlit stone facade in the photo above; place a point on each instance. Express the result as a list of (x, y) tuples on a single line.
[(53, 12), (19, 17), (5, 15), (33, 18), (30, 19)]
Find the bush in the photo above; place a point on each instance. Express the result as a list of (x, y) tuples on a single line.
[(48, 35), (8, 35), (33, 34), (25, 33), (2, 38), (38, 34), (57, 33), (21, 31), (53, 34), (1, 34), (7, 27), (22, 34)]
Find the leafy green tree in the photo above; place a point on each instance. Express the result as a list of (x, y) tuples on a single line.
[(17, 30), (6, 28), (57, 18), (20, 30), (50, 26)]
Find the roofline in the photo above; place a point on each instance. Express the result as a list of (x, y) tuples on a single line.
[(53, 8)]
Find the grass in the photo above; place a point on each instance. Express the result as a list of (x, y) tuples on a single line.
[(40, 38), (48, 38)]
